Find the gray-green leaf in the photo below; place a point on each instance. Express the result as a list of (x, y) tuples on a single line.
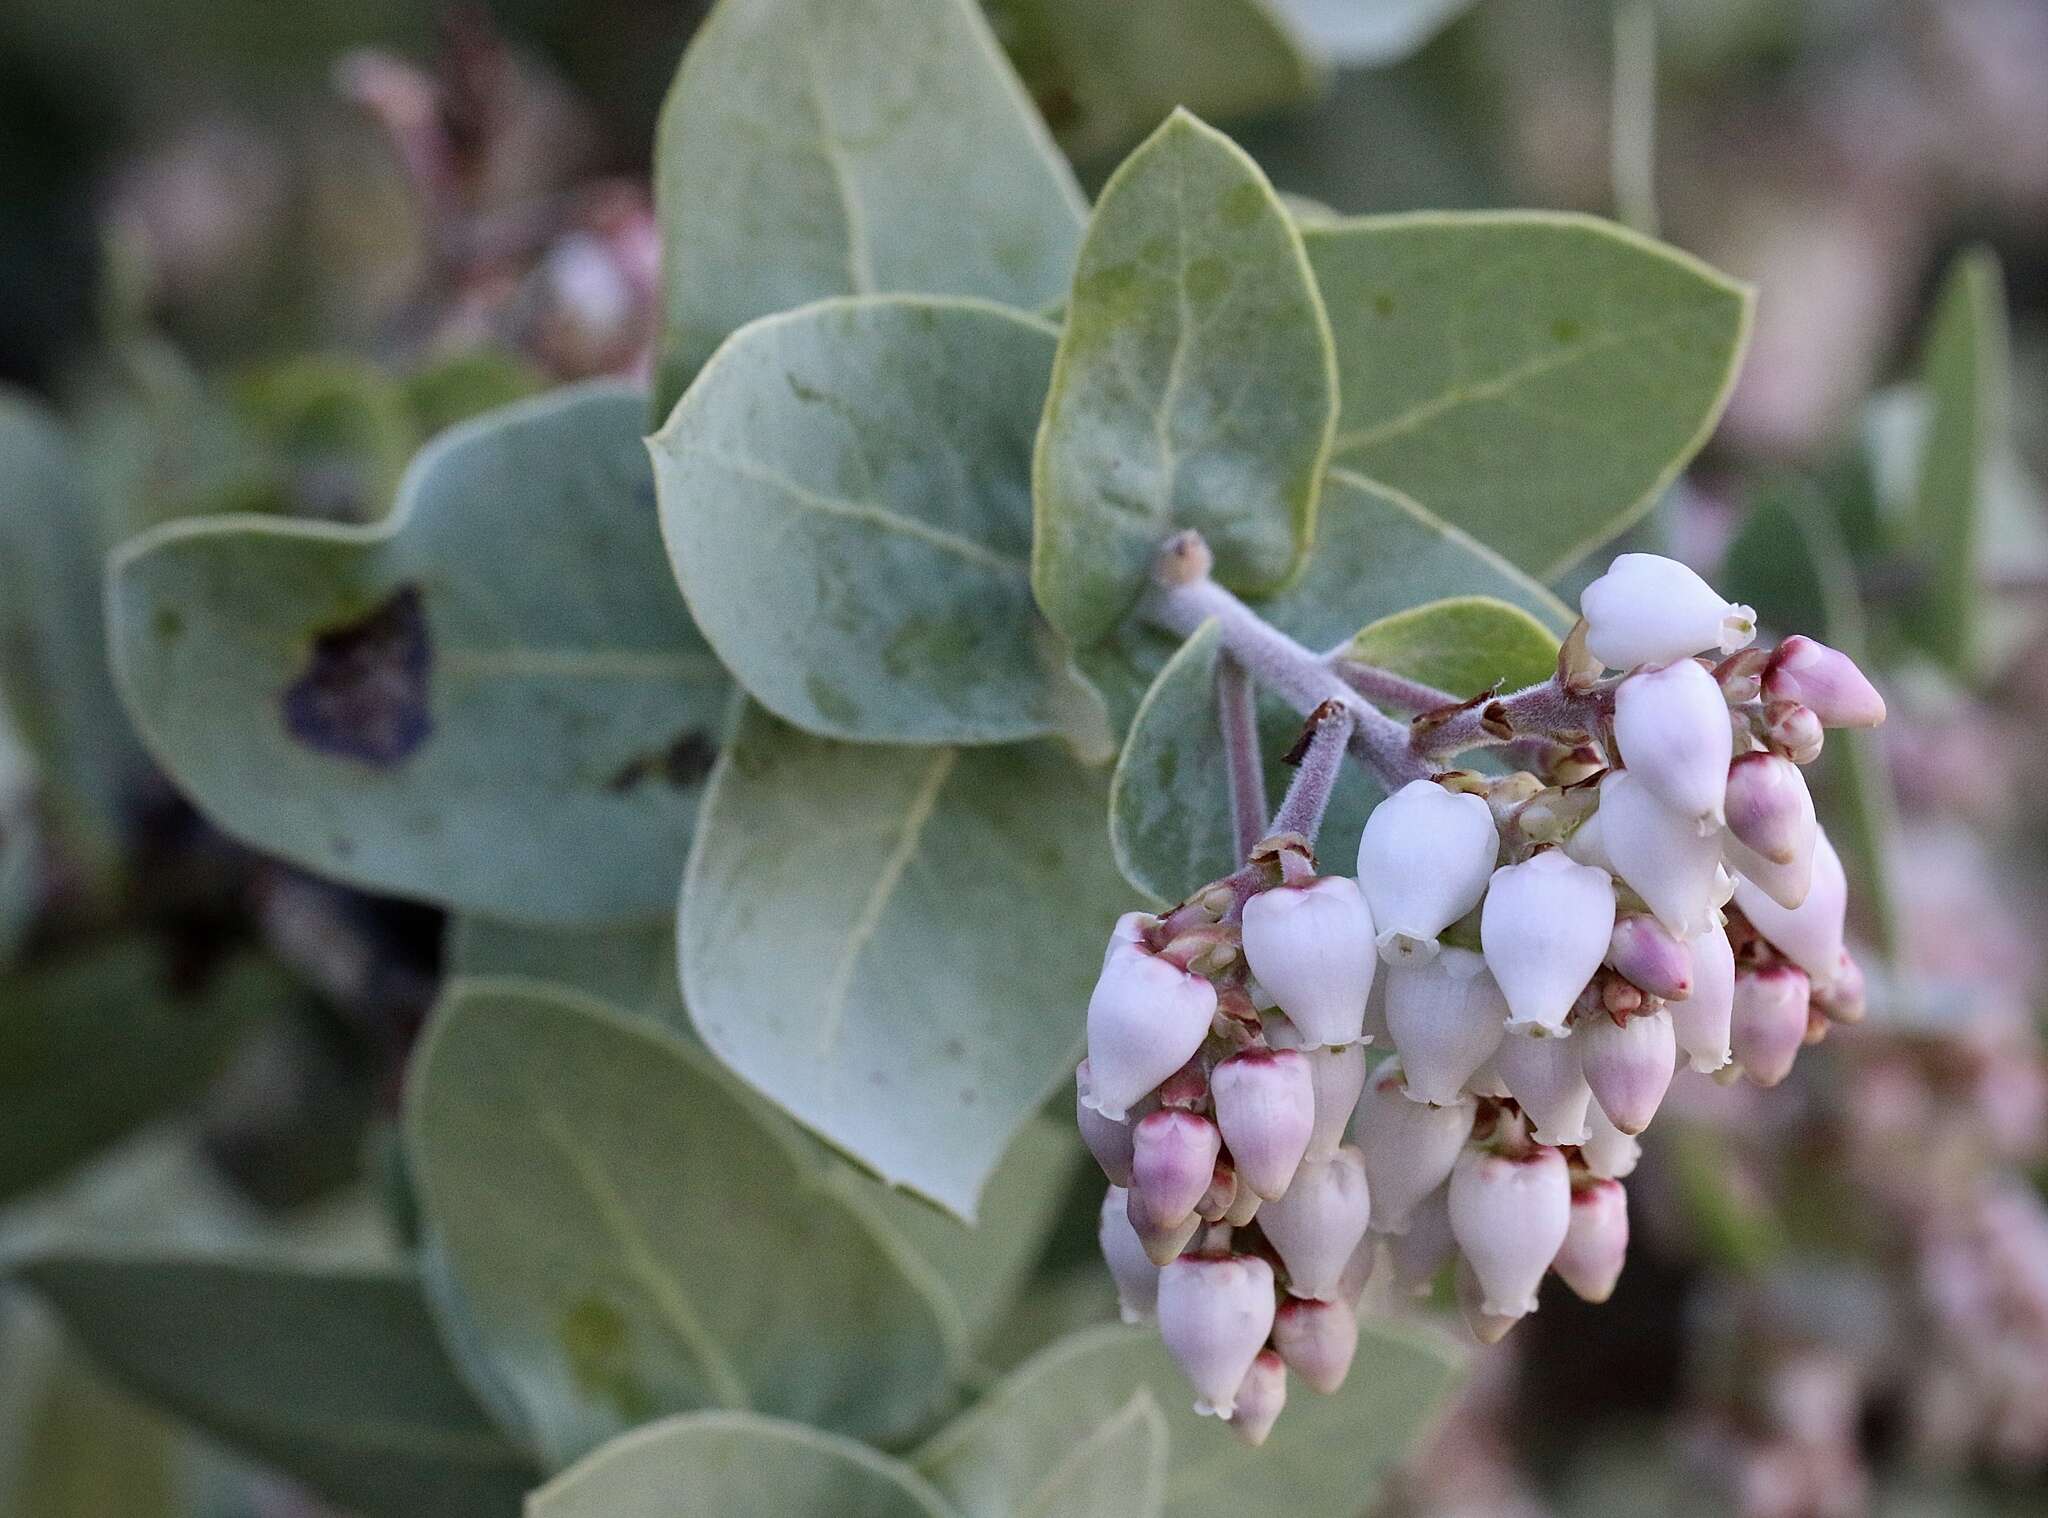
[(849, 147), (1536, 379), (846, 496), (1195, 386), (661, 1250), (494, 699)]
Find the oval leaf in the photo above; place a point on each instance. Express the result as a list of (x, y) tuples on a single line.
[(662, 1251), (896, 945), (849, 147), (1462, 644), (1195, 386), (716, 1463), (1534, 378), (495, 699), (846, 496)]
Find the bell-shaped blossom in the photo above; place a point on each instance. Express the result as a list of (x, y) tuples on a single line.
[(1261, 1397), (1596, 1241), (1487, 1327), (1266, 1108), (1628, 1065), (1358, 1270), (1650, 957), (1446, 1017), (1317, 1225), (1841, 1000), (1544, 927), (1486, 1080), (1509, 1214), (1107, 1139), (1659, 853), (1215, 1311), (1311, 947), (1338, 1076), (1423, 862), (1543, 1075), (1173, 1162), (1700, 1023), (1810, 934), (1672, 724), (1317, 1340), (1417, 1255), (1409, 1146), (1769, 1026), (1136, 1277), (1146, 1018), (1608, 1152), (1650, 610), (1826, 681)]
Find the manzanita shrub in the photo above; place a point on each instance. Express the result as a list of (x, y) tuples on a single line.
[(1043, 567)]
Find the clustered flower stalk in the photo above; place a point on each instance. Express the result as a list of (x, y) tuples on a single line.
[(1540, 947)]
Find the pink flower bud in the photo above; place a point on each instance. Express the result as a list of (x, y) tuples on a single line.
[(1770, 811), (1312, 948), (1595, 1241), (1266, 1108), (1243, 1207), (1544, 927), (1825, 680), (1770, 1021), (1662, 857), (1672, 724), (1810, 934), (1543, 1075), (1215, 1311), (1317, 1340), (1792, 730), (1173, 1161), (1425, 1248), (1650, 610), (1699, 1024), (1486, 1327), (1146, 1019), (1509, 1215), (1409, 1146), (1841, 999), (1608, 1152), (1221, 1196), (1628, 1065), (1136, 1277), (1445, 1016), (1162, 1242), (1317, 1225), (1650, 956), (1108, 1140), (1261, 1397), (1423, 862)]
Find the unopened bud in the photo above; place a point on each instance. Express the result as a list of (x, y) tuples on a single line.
[(1130, 1267), (1842, 999), (1650, 610), (1596, 1240), (1785, 881), (1672, 724), (1266, 1109), (1509, 1214), (1741, 676), (1769, 1026), (1650, 956), (1810, 934), (1544, 927), (1825, 680), (1445, 1016), (1770, 810), (1215, 1311), (1311, 947), (1146, 1018), (1700, 1023), (1173, 1162), (1162, 1242), (1107, 1139), (1608, 1152), (1417, 1255), (1543, 1076), (1659, 853), (1792, 730), (1221, 1196), (1486, 1327), (1317, 1340), (1628, 1065), (1317, 1225), (1261, 1397), (1409, 1146), (1423, 862)]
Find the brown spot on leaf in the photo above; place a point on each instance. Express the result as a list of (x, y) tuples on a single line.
[(363, 695), (685, 761)]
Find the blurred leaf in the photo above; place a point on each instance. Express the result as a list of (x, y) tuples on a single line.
[(849, 147), (458, 386), (1104, 75), (846, 496), (21, 842), (1534, 378), (1362, 33), (1324, 1460), (896, 944), (1116, 1471), (334, 1376), (1461, 644), (493, 700), (1194, 386), (735, 1462), (662, 1250), (1729, 1212), (1170, 819), (627, 966), (338, 428)]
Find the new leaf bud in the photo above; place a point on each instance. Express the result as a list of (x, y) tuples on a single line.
[(1146, 1018), (1650, 610), (1595, 1241), (1672, 724), (1543, 1075), (1409, 1146), (1317, 1225), (1769, 1026), (1509, 1215), (1266, 1108), (1423, 862), (1317, 1340), (1445, 1016), (1628, 1065), (1825, 680), (1215, 1311), (1544, 927), (1311, 947)]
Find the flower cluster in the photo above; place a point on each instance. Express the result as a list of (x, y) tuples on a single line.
[(1540, 949)]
